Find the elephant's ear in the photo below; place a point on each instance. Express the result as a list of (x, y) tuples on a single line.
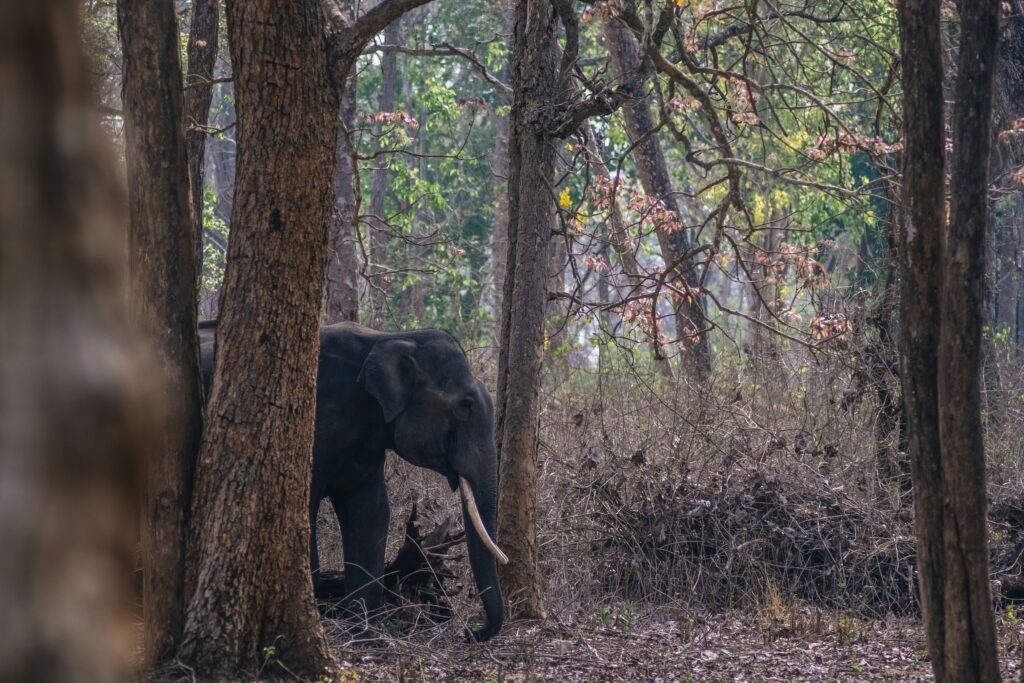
[(390, 374)]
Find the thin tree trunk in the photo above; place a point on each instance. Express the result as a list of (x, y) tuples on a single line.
[(202, 58), (675, 242), (254, 589), (78, 403), (163, 272), (499, 172), (970, 650), (342, 292), (531, 220), (499, 235), (379, 232), (882, 358)]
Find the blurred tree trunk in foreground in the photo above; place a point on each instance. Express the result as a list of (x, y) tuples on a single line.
[(77, 400), (942, 307), (162, 261)]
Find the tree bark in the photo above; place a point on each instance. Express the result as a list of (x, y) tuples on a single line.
[(970, 650), (531, 219), (202, 58), (920, 245), (690, 319), (163, 272), (78, 403), (254, 589), (941, 305)]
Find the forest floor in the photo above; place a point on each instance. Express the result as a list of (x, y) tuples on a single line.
[(669, 647)]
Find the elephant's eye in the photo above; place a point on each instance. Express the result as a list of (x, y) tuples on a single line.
[(464, 408)]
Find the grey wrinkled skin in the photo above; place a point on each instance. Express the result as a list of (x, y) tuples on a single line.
[(413, 393)]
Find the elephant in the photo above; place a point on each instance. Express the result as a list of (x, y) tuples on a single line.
[(412, 393)]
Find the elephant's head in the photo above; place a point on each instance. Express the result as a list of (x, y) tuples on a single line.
[(442, 418)]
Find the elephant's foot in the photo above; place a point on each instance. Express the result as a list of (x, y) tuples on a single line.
[(481, 635)]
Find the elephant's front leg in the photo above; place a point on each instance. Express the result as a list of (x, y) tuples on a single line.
[(365, 515)]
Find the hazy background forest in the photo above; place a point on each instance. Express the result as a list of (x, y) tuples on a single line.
[(723, 467)]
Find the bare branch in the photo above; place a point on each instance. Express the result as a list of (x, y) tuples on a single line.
[(449, 50)]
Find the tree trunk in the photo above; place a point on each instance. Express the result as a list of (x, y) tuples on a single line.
[(162, 263), (78, 403), (342, 293), (970, 650), (941, 308), (674, 240), (379, 232), (202, 58), (254, 589), (499, 235), (531, 220), (499, 171), (920, 245), (882, 357)]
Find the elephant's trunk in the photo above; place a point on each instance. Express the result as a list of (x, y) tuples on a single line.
[(479, 510)]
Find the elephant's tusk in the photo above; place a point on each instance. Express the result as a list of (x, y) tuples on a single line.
[(478, 524)]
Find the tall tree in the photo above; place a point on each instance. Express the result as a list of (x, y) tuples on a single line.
[(77, 401), (673, 237), (941, 308), (253, 588), (970, 650), (920, 246), (250, 527), (532, 207), (163, 271), (499, 170)]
